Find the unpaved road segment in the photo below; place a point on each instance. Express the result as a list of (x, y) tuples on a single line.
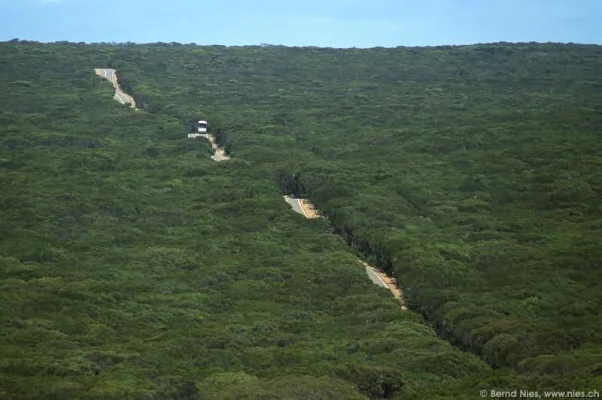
[(219, 154), (310, 210), (305, 208), (302, 206), (110, 75), (296, 204), (382, 279), (375, 278)]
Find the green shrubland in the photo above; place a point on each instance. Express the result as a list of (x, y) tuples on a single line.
[(134, 266)]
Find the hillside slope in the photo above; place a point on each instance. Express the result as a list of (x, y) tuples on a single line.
[(470, 173), (133, 265)]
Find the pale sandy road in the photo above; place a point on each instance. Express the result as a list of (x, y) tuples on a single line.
[(382, 279), (302, 206), (305, 208), (297, 206), (375, 278), (110, 75), (219, 154), (308, 209)]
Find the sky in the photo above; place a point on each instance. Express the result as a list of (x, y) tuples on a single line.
[(323, 23)]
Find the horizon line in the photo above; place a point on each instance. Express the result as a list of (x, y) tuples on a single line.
[(129, 43)]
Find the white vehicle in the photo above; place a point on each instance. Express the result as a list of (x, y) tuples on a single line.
[(202, 127)]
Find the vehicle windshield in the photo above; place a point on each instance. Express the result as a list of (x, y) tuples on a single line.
[(202, 125)]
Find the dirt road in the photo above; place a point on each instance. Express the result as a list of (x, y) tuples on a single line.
[(110, 75), (219, 154), (305, 208), (386, 281), (302, 207)]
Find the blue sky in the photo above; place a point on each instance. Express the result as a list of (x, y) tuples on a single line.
[(325, 23)]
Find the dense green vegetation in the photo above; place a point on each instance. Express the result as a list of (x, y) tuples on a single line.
[(133, 266), (471, 173)]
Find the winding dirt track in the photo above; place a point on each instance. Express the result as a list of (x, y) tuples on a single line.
[(302, 206)]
